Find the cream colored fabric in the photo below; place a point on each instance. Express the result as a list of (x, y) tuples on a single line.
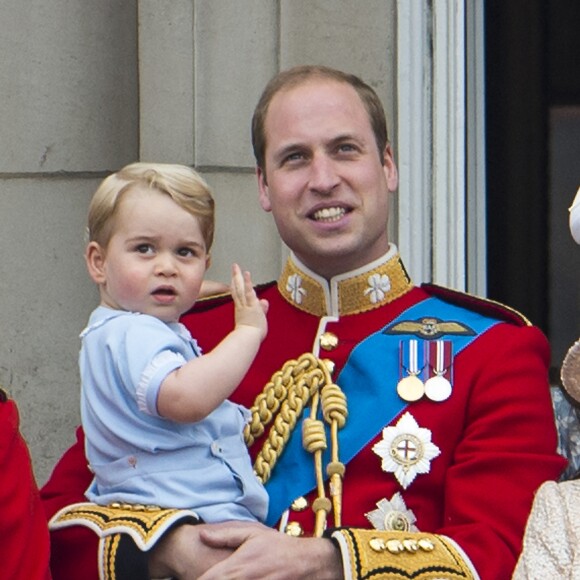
[(552, 539)]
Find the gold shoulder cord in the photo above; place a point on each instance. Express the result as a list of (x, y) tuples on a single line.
[(299, 382)]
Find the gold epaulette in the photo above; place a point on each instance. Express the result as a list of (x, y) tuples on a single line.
[(484, 306), (395, 555), (145, 524)]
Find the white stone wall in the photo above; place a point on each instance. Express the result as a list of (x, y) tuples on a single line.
[(88, 86), (68, 116)]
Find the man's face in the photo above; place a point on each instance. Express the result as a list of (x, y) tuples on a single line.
[(323, 179)]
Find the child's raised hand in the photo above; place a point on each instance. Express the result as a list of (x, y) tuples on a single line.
[(250, 311)]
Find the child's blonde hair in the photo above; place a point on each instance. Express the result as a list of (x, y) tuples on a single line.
[(184, 185)]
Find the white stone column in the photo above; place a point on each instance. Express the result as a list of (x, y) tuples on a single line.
[(441, 153)]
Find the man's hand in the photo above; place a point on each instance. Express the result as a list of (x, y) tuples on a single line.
[(181, 554), (261, 552), (242, 550)]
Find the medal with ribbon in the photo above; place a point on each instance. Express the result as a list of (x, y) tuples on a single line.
[(425, 369), (439, 364), (410, 386)]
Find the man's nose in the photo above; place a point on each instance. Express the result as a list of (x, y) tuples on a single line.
[(323, 175)]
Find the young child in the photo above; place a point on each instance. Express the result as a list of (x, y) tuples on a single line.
[(159, 430)]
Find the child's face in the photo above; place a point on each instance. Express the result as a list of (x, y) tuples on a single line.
[(155, 260)]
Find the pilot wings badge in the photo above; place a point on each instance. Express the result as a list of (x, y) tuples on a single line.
[(429, 328)]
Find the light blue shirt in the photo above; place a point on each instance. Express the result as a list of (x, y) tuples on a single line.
[(138, 456)]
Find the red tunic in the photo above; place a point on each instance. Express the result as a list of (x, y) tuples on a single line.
[(496, 432), (24, 545)]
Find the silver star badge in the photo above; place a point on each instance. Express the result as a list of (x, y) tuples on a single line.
[(406, 450), (393, 516)]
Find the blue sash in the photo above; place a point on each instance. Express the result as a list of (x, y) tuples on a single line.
[(369, 381)]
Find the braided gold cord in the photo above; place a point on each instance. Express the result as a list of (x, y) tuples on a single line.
[(313, 435), (335, 413), (321, 506), (268, 402), (284, 423), (334, 404), (306, 379)]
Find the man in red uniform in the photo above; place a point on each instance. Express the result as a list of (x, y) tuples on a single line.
[(409, 425), (24, 540)]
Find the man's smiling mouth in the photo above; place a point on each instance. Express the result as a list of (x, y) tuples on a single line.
[(329, 214)]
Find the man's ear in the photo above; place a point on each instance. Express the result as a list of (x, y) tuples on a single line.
[(390, 169), (95, 260), (264, 190)]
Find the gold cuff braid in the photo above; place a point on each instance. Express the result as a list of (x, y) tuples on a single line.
[(400, 555), (108, 548), (145, 524)]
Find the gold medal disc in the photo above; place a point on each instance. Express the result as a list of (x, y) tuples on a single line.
[(410, 388)]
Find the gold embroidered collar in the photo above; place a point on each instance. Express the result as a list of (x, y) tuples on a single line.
[(367, 288)]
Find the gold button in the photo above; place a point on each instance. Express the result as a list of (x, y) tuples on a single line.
[(328, 341), (377, 544), (294, 529), (426, 545), (410, 545), (299, 504), (395, 546), (329, 364)]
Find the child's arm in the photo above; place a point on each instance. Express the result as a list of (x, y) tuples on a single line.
[(193, 391)]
